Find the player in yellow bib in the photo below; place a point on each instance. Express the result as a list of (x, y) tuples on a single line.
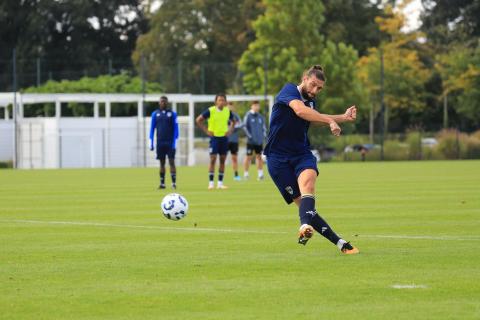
[(220, 126)]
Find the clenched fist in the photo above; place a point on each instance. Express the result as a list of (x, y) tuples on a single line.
[(351, 114)]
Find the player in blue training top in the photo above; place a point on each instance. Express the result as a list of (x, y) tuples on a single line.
[(291, 164), (164, 121)]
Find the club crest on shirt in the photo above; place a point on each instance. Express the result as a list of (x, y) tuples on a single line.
[(311, 104), (289, 190), (169, 114)]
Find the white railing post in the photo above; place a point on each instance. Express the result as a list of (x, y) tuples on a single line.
[(191, 132)]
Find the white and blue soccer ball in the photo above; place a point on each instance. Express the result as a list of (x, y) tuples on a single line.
[(174, 206)]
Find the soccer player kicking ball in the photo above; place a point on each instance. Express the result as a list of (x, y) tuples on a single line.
[(220, 126), (291, 165), (164, 121)]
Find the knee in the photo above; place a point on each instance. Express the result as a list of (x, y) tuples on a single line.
[(308, 185)]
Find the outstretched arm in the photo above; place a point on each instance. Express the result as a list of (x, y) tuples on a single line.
[(350, 115), (314, 116)]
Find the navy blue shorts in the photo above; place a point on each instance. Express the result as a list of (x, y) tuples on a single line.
[(218, 145), (284, 171), (165, 151)]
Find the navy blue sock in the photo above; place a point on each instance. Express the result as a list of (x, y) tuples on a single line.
[(220, 176), (324, 229), (174, 177), (210, 176), (306, 209), (162, 177)]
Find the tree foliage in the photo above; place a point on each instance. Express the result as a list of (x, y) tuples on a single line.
[(451, 21), (122, 83), (287, 40), (352, 22), (405, 74), (460, 72), (192, 44), (72, 37)]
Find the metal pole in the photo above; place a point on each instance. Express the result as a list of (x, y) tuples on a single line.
[(14, 108), (382, 106), (144, 134), (202, 76), (39, 79), (445, 111), (265, 77), (179, 76), (110, 67), (371, 123)]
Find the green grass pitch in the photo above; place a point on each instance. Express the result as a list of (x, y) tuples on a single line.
[(93, 244)]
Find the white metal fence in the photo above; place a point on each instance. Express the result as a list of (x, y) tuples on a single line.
[(91, 142)]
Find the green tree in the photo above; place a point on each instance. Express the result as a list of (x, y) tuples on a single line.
[(405, 73), (352, 22), (460, 73), (288, 36), (122, 83), (287, 39), (72, 38), (451, 21), (192, 46)]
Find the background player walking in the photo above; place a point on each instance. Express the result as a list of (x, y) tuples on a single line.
[(291, 164), (220, 126), (256, 131), (164, 121), (233, 140)]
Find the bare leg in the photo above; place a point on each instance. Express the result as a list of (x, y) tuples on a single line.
[(235, 164), (221, 170), (246, 165), (259, 166), (211, 170)]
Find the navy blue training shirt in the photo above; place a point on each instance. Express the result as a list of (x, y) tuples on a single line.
[(166, 125), (288, 132)]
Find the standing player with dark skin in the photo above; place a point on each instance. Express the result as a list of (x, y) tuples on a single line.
[(164, 122), (291, 164), (220, 126)]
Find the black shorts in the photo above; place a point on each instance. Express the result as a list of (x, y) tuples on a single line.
[(165, 151), (233, 147), (258, 148)]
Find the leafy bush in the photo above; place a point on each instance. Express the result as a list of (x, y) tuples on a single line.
[(451, 143)]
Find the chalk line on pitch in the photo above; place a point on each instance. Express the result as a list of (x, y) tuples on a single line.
[(133, 226), (409, 286)]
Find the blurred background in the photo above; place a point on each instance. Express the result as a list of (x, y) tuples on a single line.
[(411, 67)]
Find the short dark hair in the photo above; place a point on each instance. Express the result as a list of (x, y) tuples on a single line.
[(220, 95), (163, 98), (255, 102), (317, 71)]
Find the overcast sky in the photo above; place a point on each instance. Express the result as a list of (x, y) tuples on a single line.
[(412, 12)]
